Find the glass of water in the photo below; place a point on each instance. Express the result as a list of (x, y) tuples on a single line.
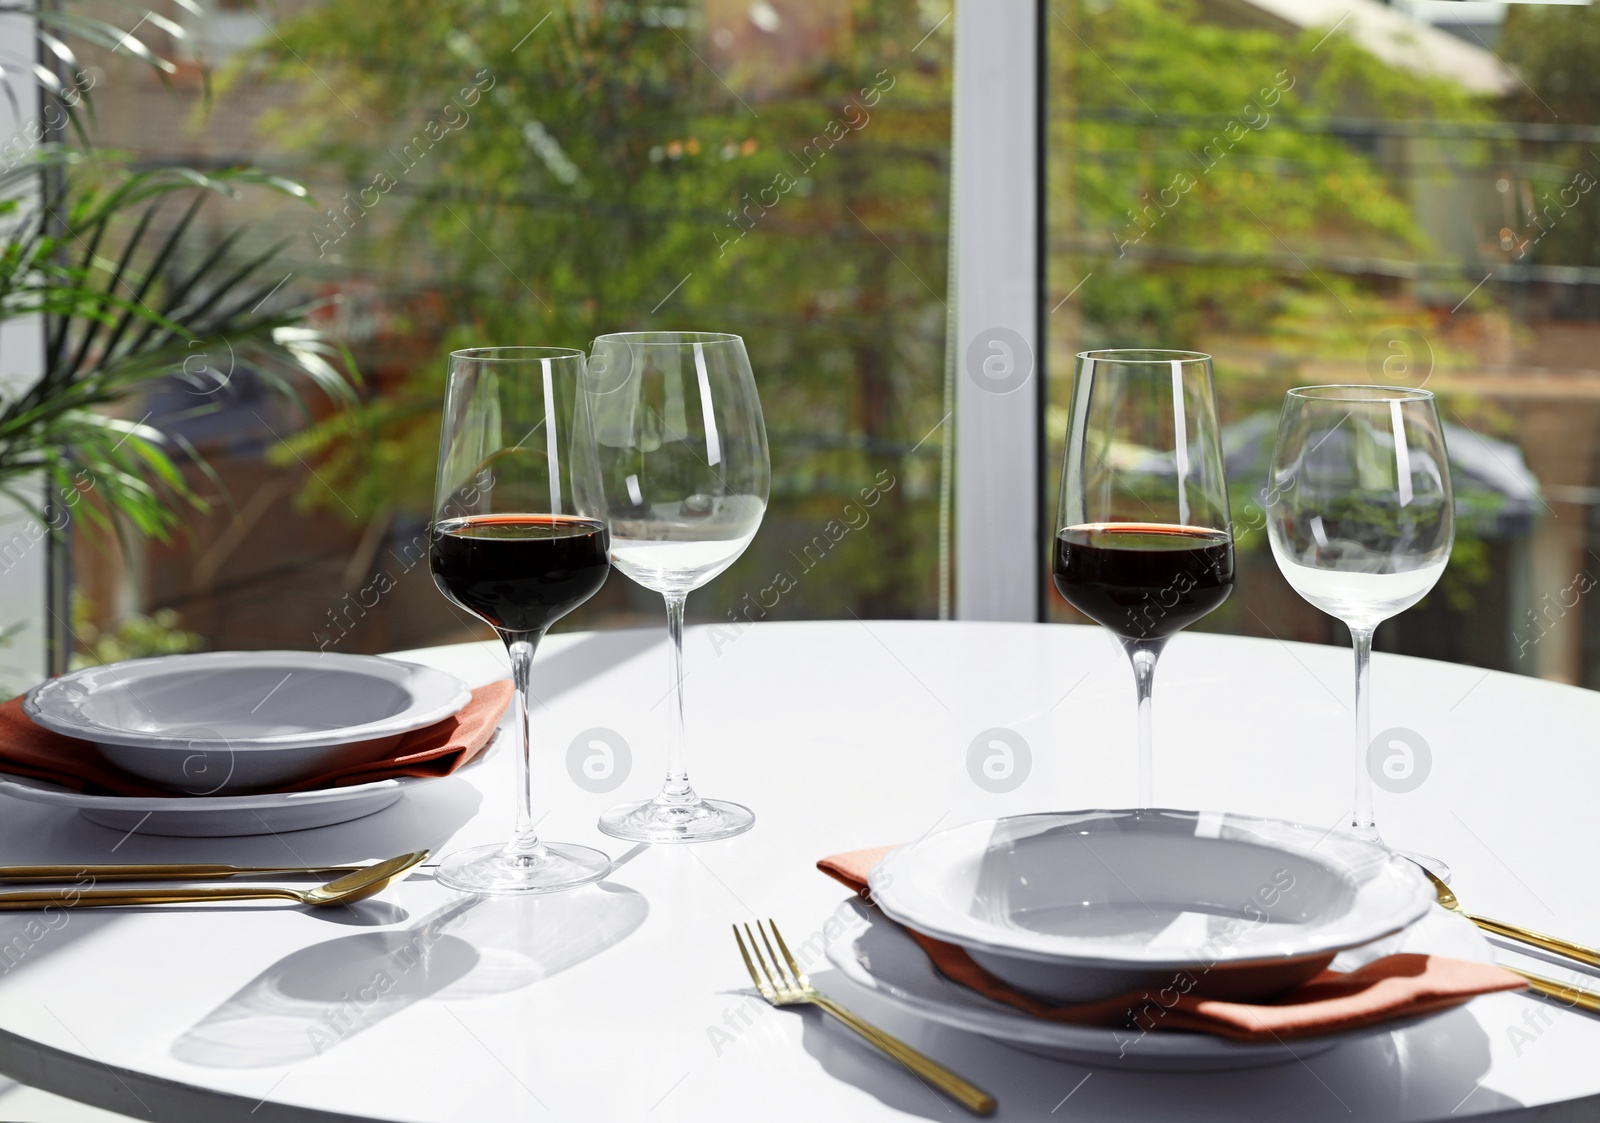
[(682, 457), (1362, 522)]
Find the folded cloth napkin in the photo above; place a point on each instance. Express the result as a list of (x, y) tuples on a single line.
[(439, 749), (1387, 989)]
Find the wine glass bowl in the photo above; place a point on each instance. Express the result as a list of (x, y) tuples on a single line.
[(518, 540), (683, 471), (1364, 515), (1143, 541), (1362, 522)]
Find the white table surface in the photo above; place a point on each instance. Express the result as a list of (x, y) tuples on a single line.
[(627, 1000)]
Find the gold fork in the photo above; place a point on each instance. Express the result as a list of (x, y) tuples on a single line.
[(792, 988)]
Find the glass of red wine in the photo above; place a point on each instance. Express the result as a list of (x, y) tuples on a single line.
[(1143, 542), (519, 540)]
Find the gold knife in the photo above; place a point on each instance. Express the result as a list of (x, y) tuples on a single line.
[(161, 872)]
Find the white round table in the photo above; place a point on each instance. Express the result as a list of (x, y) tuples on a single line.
[(628, 1000)]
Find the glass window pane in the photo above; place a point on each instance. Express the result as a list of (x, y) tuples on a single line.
[(1404, 198), (513, 173)]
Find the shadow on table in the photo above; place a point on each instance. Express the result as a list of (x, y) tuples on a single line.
[(595, 653), (28, 938), (312, 999), (1425, 1070)]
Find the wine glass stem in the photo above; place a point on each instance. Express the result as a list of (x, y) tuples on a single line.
[(677, 788), (1362, 822), (525, 842), (1143, 654)]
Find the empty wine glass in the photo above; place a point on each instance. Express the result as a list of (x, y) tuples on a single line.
[(1361, 523), (682, 454), (519, 541), (1143, 544)]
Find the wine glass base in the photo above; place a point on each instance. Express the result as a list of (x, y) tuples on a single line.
[(492, 870), (704, 820), (1433, 865)]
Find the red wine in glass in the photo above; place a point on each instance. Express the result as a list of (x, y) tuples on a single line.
[(1143, 581), (519, 540), (521, 573), (1143, 544)]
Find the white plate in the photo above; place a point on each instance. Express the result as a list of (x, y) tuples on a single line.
[(225, 815), (1078, 905), (878, 954), (229, 721)]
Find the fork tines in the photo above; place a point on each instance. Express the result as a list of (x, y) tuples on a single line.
[(773, 983)]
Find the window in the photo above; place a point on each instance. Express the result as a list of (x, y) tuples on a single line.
[(1398, 194), (524, 174)]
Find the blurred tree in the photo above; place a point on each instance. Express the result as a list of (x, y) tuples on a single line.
[(587, 172), (1554, 50), (135, 636), (591, 171), (1187, 155)]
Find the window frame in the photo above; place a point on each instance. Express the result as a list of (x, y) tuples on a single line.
[(998, 263)]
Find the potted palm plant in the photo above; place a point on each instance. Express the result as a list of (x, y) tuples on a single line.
[(108, 257)]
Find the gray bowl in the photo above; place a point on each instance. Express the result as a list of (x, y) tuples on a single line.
[(237, 721)]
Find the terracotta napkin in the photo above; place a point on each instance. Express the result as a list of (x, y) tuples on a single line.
[(27, 749), (1388, 989)]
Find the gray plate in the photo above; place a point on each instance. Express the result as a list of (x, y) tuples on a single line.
[(226, 722), (225, 815), (875, 952)]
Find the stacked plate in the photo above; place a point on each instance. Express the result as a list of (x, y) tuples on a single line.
[(218, 728), (1077, 906)]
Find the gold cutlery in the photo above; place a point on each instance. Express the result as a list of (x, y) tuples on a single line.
[(161, 872), (1564, 993), (793, 988), (364, 882), (1550, 988), (1581, 952)]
